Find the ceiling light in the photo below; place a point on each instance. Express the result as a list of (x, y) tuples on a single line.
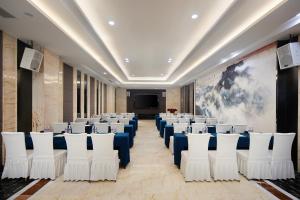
[(195, 16), (126, 60), (169, 60), (111, 23), (104, 73)]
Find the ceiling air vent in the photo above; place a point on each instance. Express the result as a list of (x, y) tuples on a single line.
[(5, 14)]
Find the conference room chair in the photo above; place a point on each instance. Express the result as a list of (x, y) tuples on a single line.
[(85, 120), (223, 128), (94, 120), (183, 120), (281, 163), (78, 127), (255, 163), (223, 161), (211, 121), (178, 128), (113, 120), (17, 160), (105, 162), (124, 121), (194, 162), (172, 120), (199, 120), (198, 128), (46, 162), (240, 128), (117, 127), (59, 127), (114, 115), (78, 158), (101, 127)]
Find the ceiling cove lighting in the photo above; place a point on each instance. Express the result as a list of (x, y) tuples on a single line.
[(111, 23), (195, 16)]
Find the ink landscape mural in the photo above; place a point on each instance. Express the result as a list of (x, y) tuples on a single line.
[(242, 93)]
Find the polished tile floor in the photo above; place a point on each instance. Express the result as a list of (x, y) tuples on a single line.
[(151, 174)]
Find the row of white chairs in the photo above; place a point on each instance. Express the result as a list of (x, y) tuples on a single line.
[(199, 164), (208, 121), (202, 128), (77, 163), (79, 127)]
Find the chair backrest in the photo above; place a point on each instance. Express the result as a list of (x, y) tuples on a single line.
[(117, 127), (240, 128), (162, 114), (198, 145), (226, 145), (124, 121), (282, 146), (102, 145), (113, 120), (259, 146), (81, 120), (223, 128), (14, 145), (172, 120), (76, 146), (78, 127), (183, 120), (101, 127), (211, 121), (42, 144), (94, 120), (180, 127), (200, 120), (197, 127), (59, 127)]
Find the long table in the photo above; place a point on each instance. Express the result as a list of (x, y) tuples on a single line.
[(121, 143), (181, 144), (169, 131)]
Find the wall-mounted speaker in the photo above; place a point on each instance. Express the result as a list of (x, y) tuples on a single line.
[(289, 55)]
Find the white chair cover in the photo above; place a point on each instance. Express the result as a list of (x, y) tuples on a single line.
[(197, 127), (223, 162), (240, 128), (17, 160), (170, 121), (113, 120), (81, 120), (101, 127), (223, 128), (281, 163), (59, 127), (46, 162), (78, 127), (183, 120), (124, 121), (117, 127), (178, 128), (105, 163), (200, 120), (94, 120), (78, 158), (256, 163), (194, 162), (211, 121)]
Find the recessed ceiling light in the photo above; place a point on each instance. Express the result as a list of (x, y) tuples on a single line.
[(111, 23), (169, 60), (195, 16), (126, 60), (104, 73)]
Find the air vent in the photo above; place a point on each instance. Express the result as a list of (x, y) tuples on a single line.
[(5, 14)]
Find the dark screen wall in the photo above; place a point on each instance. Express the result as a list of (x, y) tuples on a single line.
[(24, 92), (187, 98), (287, 102), (92, 96), (146, 113), (67, 93), (1, 94)]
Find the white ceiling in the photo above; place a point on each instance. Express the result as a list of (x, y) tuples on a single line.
[(150, 32)]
